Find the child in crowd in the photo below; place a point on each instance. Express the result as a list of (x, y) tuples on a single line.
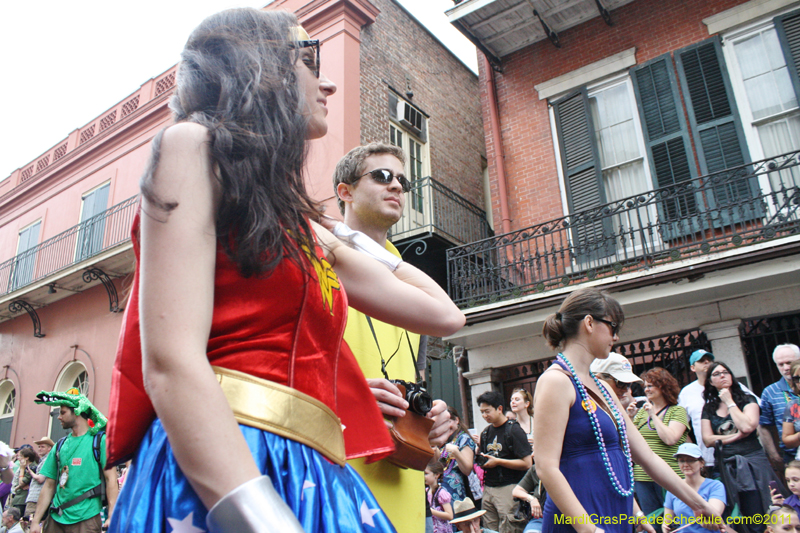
[(784, 519), (438, 498), (793, 482)]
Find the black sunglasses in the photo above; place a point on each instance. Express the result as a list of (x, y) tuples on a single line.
[(613, 325), (314, 43), (796, 379), (385, 176), (621, 384)]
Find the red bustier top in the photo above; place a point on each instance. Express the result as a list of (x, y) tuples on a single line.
[(286, 327)]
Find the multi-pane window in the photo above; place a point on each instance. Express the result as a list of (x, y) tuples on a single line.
[(8, 398), (620, 149), (93, 224), (415, 163), (770, 95), (10, 403), (603, 159), (82, 383), (25, 262), (618, 141), (762, 72)]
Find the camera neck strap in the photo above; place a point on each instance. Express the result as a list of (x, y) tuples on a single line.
[(384, 363)]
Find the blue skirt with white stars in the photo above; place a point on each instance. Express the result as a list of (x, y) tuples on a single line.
[(325, 497)]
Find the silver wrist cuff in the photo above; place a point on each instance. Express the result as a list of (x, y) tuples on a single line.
[(252, 507), (361, 242)]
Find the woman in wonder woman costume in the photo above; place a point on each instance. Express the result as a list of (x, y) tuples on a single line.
[(232, 339)]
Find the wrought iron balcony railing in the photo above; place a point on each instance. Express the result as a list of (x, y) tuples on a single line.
[(79, 243), (433, 208), (732, 208)]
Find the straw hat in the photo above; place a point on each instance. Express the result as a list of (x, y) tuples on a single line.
[(464, 510), (45, 440)]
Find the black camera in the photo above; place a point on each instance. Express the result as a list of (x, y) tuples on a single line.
[(419, 401), (480, 459)]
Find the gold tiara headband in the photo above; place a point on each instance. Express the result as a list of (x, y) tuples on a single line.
[(299, 36)]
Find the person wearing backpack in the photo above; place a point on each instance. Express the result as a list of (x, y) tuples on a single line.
[(505, 456), (77, 482)]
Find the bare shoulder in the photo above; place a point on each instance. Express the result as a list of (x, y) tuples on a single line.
[(186, 135), (185, 169), (553, 376), (553, 382)]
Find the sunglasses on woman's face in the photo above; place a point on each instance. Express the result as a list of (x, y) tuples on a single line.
[(613, 325), (312, 64), (796, 379), (385, 176)]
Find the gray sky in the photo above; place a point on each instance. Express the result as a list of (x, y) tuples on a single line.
[(64, 63)]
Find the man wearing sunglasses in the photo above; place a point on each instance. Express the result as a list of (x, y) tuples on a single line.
[(617, 372), (370, 187)]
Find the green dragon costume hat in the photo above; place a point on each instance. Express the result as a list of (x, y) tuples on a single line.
[(80, 403)]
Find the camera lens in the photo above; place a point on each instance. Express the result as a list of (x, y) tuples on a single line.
[(420, 402)]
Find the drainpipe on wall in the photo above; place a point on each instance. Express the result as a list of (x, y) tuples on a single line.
[(497, 141)]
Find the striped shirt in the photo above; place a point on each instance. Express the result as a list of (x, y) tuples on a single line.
[(673, 412), (773, 403)]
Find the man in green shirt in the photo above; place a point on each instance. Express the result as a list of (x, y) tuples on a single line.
[(71, 472)]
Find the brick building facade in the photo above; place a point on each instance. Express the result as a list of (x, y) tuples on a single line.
[(408, 58), (647, 148)]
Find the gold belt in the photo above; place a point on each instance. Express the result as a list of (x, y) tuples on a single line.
[(283, 411)]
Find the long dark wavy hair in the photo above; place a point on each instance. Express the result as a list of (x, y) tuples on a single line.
[(236, 77), (711, 394)]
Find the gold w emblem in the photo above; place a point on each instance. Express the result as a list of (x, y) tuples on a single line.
[(328, 281)]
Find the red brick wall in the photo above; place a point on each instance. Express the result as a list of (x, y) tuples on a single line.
[(396, 47), (654, 27)]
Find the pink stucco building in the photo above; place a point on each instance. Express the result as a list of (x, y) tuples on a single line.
[(65, 251)]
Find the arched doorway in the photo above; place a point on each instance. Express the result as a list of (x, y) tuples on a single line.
[(8, 401), (74, 375)]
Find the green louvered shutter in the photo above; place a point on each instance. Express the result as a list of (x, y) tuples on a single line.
[(788, 28), (668, 146), (591, 233), (717, 131)]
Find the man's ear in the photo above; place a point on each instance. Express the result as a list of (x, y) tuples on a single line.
[(345, 192)]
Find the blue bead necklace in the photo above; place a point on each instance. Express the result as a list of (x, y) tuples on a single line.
[(587, 403)]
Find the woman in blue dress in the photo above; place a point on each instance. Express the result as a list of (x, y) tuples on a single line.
[(584, 442)]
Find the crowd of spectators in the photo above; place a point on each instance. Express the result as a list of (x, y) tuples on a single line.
[(737, 451), (19, 498)]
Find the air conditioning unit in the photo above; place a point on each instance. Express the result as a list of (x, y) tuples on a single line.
[(409, 116)]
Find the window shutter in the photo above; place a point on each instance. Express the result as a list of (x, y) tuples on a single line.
[(788, 28), (24, 266), (583, 177), (716, 128), (667, 140), (712, 110)]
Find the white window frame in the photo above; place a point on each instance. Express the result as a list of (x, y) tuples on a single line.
[(592, 89), (34, 259), (412, 218), (92, 191), (84, 196), (749, 124)]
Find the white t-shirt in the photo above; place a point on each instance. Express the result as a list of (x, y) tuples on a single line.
[(691, 399)]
